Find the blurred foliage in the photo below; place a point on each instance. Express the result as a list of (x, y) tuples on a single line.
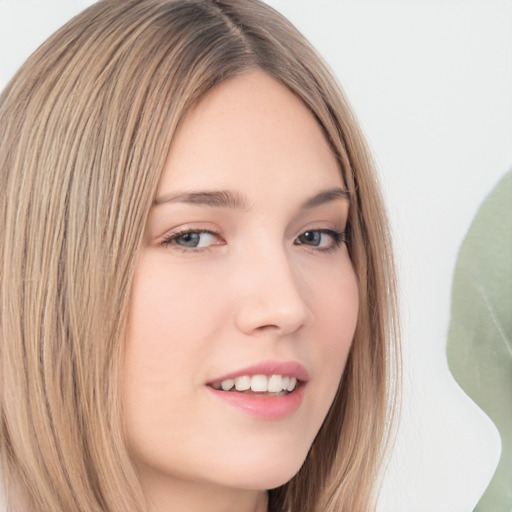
[(480, 334)]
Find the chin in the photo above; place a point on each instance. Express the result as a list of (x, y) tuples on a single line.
[(268, 473)]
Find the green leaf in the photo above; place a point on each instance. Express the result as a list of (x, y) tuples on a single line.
[(480, 335)]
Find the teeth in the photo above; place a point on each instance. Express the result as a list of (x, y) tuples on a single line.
[(275, 384), (243, 383), (291, 384), (259, 383), (227, 384)]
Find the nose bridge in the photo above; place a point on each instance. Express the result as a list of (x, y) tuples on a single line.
[(270, 291)]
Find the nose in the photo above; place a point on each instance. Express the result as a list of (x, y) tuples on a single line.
[(270, 296)]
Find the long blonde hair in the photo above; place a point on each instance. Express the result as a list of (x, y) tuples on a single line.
[(85, 127)]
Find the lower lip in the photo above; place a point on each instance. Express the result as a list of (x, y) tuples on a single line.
[(261, 406)]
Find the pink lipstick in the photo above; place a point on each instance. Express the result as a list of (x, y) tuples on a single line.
[(268, 390)]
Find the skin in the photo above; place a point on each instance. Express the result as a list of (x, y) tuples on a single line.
[(257, 289)]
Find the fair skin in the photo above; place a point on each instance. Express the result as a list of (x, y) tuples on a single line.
[(257, 274)]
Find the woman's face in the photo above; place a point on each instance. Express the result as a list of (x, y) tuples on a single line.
[(243, 281)]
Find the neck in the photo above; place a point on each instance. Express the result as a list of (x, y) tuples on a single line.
[(165, 496)]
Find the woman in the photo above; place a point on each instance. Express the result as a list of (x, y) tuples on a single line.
[(197, 285)]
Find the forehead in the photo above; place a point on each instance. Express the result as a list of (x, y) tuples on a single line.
[(249, 129)]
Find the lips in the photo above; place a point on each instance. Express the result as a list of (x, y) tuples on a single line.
[(269, 390)]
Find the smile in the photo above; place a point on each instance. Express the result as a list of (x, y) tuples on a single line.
[(258, 384), (270, 390)]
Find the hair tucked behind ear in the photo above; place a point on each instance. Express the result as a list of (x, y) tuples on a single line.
[(85, 127)]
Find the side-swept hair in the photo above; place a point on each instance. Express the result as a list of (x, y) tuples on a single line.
[(85, 127)]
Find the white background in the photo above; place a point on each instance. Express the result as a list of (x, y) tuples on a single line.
[(431, 82)]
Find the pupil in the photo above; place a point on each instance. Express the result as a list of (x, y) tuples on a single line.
[(312, 237), (189, 239)]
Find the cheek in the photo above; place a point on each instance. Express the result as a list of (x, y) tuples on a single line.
[(173, 311), (336, 313), (172, 317), (334, 299)]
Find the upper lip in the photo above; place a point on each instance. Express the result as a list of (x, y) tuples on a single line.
[(287, 368)]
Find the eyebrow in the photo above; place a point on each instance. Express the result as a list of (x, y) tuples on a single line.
[(326, 196), (234, 200), (214, 199)]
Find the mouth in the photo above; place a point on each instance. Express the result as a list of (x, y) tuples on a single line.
[(271, 396), (262, 385)]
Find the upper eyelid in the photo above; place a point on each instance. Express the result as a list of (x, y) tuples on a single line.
[(189, 228), (167, 239), (198, 226), (183, 231), (334, 233)]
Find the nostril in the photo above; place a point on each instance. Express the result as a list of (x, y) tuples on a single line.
[(270, 327)]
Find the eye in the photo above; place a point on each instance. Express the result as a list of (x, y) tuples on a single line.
[(191, 239), (322, 239)]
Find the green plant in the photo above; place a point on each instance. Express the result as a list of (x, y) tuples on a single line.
[(480, 334)]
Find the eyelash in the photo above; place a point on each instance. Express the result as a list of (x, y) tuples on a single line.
[(338, 239), (172, 238)]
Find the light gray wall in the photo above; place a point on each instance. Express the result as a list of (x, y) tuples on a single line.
[(431, 82)]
